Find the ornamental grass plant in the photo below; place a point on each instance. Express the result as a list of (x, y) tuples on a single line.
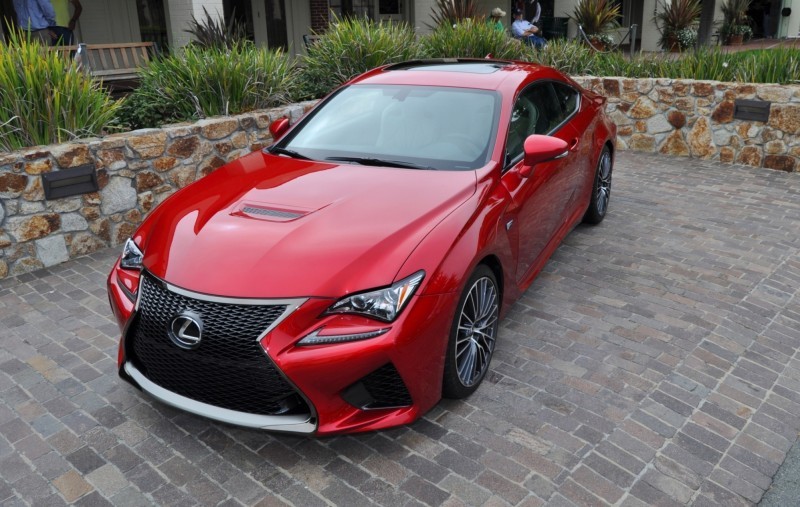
[(200, 82), (45, 99), (472, 38), (350, 47)]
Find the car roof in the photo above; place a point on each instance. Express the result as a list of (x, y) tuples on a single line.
[(457, 72)]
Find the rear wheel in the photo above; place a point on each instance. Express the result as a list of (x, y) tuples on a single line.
[(473, 335), (601, 189)]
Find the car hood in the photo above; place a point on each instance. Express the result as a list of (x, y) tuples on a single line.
[(268, 226)]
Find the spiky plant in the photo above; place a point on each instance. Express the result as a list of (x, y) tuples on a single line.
[(450, 12), (349, 47), (674, 17), (471, 38), (734, 12), (596, 17), (201, 82), (45, 98), (212, 32)]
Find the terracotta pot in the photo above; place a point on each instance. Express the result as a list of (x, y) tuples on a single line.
[(673, 45), (735, 40)]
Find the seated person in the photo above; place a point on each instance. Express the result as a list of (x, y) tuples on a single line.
[(526, 31)]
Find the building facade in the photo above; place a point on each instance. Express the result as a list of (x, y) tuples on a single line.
[(282, 23)]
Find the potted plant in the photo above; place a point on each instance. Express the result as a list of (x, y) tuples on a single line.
[(597, 18), (677, 22), (735, 22)]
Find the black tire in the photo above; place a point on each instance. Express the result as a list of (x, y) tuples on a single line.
[(473, 335), (601, 189)]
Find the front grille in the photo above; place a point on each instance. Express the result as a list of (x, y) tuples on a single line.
[(383, 388), (228, 369)]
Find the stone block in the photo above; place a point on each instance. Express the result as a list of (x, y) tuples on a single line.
[(776, 147), (36, 167), (33, 227), (71, 222), (658, 124), (149, 143), (699, 139), (677, 119), (84, 243), (52, 250), (112, 159), (164, 164), (217, 128), (785, 117), (727, 154), (71, 155), (183, 147), (702, 89), (643, 108), (34, 191), (774, 93), (750, 155), (723, 113), (642, 142), (781, 163), (675, 145), (119, 195), (147, 181), (12, 185)]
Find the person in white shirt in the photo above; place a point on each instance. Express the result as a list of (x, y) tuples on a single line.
[(527, 31)]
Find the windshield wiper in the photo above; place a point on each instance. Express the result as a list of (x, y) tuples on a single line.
[(379, 162), (283, 151)]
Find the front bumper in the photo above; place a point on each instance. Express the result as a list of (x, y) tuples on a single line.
[(325, 376)]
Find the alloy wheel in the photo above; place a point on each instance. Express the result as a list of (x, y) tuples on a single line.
[(477, 330)]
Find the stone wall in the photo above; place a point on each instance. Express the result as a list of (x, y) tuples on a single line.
[(135, 171), (695, 119)]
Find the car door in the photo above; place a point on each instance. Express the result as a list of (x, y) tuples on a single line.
[(538, 202)]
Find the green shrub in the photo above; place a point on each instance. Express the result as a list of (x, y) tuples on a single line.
[(471, 38), (350, 47), (776, 65), (568, 56), (200, 82), (45, 99)]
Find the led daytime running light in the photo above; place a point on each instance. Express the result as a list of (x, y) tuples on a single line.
[(316, 339)]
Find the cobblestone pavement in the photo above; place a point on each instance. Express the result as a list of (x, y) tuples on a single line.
[(652, 363)]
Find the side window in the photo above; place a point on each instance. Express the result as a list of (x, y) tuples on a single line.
[(567, 97), (535, 112)]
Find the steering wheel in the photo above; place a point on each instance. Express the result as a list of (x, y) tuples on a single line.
[(464, 143)]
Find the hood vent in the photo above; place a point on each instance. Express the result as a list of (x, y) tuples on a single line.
[(280, 215)]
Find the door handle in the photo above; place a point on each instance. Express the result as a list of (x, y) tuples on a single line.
[(573, 145)]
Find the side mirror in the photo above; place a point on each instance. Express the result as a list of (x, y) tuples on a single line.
[(278, 128), (540, 149)]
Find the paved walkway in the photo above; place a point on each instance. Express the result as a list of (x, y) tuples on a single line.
[(654, 362)]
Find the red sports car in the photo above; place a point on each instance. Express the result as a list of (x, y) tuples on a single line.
[(353, 273)]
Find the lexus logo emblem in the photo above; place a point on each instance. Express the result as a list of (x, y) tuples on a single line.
[(186, 330)]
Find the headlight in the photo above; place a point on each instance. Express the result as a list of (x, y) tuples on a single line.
[(382, 304), (131, 256)]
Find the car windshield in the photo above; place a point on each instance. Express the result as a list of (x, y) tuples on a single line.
[(425, 127)]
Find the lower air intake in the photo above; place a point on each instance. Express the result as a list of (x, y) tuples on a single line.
[(383, 388)]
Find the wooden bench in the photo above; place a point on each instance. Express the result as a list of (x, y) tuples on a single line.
[(110, 62), (309, 40)]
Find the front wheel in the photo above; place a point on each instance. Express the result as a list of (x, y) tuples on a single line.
[(601, 189), (473, 335)]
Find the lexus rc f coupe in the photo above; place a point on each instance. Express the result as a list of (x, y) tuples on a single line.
[(352, 274)]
